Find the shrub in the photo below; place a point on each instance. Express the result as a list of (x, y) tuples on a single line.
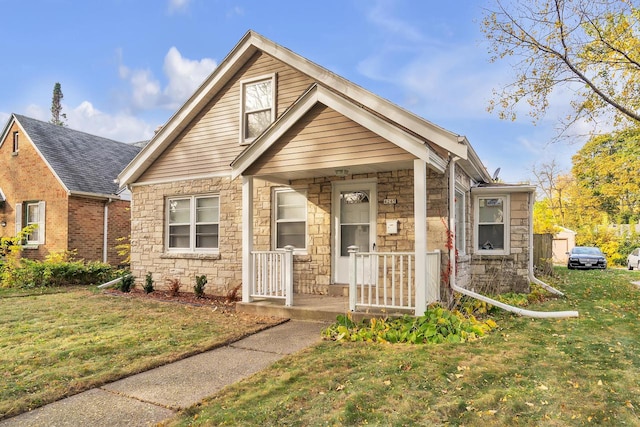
[(198, 289), (437, 325), (148, 284), (126, 284), (174, 287)]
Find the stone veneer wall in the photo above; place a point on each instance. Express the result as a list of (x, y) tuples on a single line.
[(312, 271), (507, 273), (223, 270)]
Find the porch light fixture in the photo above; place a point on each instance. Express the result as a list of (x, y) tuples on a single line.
[(342, 172)]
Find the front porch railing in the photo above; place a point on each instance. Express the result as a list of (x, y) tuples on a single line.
[(386, 280), (273, 275)]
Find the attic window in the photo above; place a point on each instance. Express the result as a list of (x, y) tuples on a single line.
[(258, 106), (15, 142)]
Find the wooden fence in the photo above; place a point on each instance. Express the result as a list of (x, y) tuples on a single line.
[(543, 254)]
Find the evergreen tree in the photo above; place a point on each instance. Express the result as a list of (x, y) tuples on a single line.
[(57, 117)]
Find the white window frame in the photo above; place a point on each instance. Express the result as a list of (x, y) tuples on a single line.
[(16, 141), (461, 221), (22, 221), (243, 113), (192, 224), (506, 222), (276, 221)]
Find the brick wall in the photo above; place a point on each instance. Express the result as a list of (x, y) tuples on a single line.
[(119, 228), (25, 177)]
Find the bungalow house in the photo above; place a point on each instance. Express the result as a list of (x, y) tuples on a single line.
[(283, 177), (63, 180)]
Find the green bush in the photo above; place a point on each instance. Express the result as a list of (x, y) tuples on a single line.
[(126, 284), (437, 325), (148, 283), (198, 289)]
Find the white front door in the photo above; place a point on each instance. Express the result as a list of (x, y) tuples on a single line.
[(354, 223)]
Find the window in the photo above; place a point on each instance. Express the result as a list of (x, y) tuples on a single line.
[(31, 213), (193, 223), (290, 219), (460, 221), (258, 106), (15, 142), (492, 224)]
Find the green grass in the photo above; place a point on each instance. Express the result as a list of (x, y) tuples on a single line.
[(58, 344), (530, 372)]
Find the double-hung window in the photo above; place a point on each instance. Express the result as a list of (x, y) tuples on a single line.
[(193, 223), (492, 224), (31, 214), (290, 219), (257, 106)]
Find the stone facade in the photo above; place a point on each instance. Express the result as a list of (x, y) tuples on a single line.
[(495, 274), (312, 270)]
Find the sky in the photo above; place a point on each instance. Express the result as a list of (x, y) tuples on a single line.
[(126, 66)]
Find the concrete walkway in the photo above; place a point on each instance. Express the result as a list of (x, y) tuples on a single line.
[(153, 396)]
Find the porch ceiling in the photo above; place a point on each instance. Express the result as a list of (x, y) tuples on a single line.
[(332, 172)]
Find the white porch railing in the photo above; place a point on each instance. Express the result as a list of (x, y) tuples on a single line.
[(273, 275), (386, 280)]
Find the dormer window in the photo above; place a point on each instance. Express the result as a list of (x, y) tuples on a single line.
[(258, 106), (15, 142)]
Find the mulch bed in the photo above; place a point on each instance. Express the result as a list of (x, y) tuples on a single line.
[(216, 301)]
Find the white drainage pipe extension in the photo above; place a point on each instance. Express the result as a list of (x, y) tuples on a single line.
[(112, 282), (516, 310)]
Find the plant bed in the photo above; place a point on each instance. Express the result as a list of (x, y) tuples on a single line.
[(220, 302)]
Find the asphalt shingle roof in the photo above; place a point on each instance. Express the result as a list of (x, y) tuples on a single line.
[(84, 162)]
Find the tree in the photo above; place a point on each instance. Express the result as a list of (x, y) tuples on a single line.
[(606, 172), (57, 117), (591, 47)]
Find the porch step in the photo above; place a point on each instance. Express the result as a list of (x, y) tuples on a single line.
[(323, 308)]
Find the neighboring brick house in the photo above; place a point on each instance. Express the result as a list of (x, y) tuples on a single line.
[(64, 181), (274, 154)]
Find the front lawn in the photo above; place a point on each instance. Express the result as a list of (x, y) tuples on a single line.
[(55, 345), (529, 372)]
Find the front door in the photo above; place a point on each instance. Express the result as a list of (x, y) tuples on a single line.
[(354, 223)]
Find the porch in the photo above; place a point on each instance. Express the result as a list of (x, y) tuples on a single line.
[(379, 284)]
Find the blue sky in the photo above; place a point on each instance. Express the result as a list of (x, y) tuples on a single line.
[(126, 66)]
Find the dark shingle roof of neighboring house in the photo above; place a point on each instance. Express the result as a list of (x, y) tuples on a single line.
[(85, 163)]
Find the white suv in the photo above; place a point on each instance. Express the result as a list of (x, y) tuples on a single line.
[(633, 260)]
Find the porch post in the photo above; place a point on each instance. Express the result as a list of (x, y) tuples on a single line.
[(353, 274), (420, 218), (247, 238), (288, 275)]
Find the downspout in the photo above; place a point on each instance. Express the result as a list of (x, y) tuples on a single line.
[(105, 231), (496, 303), (452, 220)]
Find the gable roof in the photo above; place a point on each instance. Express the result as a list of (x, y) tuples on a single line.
[(252, 42), (83, 163)]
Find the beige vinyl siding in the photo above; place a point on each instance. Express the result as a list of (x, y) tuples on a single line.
[(211, 141), (323, 138)]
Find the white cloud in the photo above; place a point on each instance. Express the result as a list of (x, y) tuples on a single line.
[(4, 117), (176, 6), (185, 75), (119, 127)]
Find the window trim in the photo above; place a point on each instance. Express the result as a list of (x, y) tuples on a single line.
[(506, 221), (21, 218), (192, 224), (16, 141), (275, 221), (243, 83)]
